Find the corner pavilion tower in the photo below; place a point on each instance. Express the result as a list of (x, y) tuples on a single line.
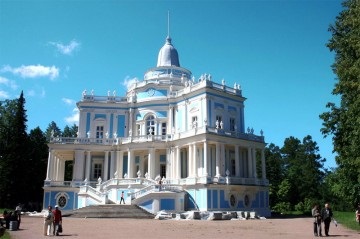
[(171, 143)]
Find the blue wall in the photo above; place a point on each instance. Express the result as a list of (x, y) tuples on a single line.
[(147, 204), (121, 126), (51, 197), (167, 204)]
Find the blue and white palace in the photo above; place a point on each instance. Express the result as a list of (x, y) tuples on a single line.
[(171, 143)]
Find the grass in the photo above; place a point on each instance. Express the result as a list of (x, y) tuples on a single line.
[(347, 219), (6, 235)]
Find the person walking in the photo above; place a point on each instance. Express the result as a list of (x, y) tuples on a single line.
[(357, 214), (48, 221), (57, 221), (315, 212), (326, 215), (122, 197), (18, 210)]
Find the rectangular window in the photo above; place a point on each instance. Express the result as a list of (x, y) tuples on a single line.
[(194, 121), (97, 170), (163, 170), (163, 128), (99, 132), (232, 124), (218, 122), (138, 129), (233, 167)]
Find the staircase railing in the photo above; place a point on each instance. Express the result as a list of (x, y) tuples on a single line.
[(87, 189)]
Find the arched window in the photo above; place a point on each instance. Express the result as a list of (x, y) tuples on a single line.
[(150, 125)]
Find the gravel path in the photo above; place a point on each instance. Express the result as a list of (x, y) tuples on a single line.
[(82, 228)]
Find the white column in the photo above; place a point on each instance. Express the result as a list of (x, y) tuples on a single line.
[(237, 161), (130, 123), (88, 165), (170, 120), (61, 170), (151, 163), (112, 163), (106, 166), (196, 161), (254, 162), (178, 162), (190, 161), (119, 163), (249, 174), (130, 170), (206, 161), (217, 165), (222, 160), (263, 165), (78, 168), (49, 165), (169, 164), (55, 168)]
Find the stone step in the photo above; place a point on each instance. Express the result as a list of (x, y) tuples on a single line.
[(110, 211)]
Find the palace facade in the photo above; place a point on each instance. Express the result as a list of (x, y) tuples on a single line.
[(172, 143)]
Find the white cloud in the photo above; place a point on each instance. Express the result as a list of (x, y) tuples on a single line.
[(33, 71), (4, 81), (74, 118), (38, 92), (4, 95), (128, 82), (31, 93), (68, 101), (66, 49), (10, 83)]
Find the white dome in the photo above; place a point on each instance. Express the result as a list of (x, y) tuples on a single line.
[(168, 55)]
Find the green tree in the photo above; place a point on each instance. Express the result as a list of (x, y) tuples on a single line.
[(303, 168), (7, 113), (38, 159), (274, 171), (70, 131), (14, 154), (342, 121), (52, 130)]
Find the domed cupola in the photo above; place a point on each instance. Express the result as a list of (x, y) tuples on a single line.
[(168, 55)]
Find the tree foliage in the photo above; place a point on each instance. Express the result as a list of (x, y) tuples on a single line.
[(296, 172), (342, 121), (23, 156), (14, 154)]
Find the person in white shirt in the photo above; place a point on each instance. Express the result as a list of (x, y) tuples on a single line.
[(48, 221)]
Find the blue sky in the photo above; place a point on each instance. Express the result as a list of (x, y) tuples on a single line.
[(53, 50)]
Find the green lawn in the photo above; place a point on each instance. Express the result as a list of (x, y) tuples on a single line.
[(6, 236), (347, 219)]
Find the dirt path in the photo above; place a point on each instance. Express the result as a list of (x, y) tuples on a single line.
[(31, 228)]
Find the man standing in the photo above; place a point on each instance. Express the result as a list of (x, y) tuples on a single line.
[(49, 218), (57, 220), (326, 214)]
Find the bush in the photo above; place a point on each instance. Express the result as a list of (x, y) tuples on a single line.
[(282, 207)]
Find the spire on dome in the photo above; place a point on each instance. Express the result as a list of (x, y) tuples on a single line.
[(168, 55)]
